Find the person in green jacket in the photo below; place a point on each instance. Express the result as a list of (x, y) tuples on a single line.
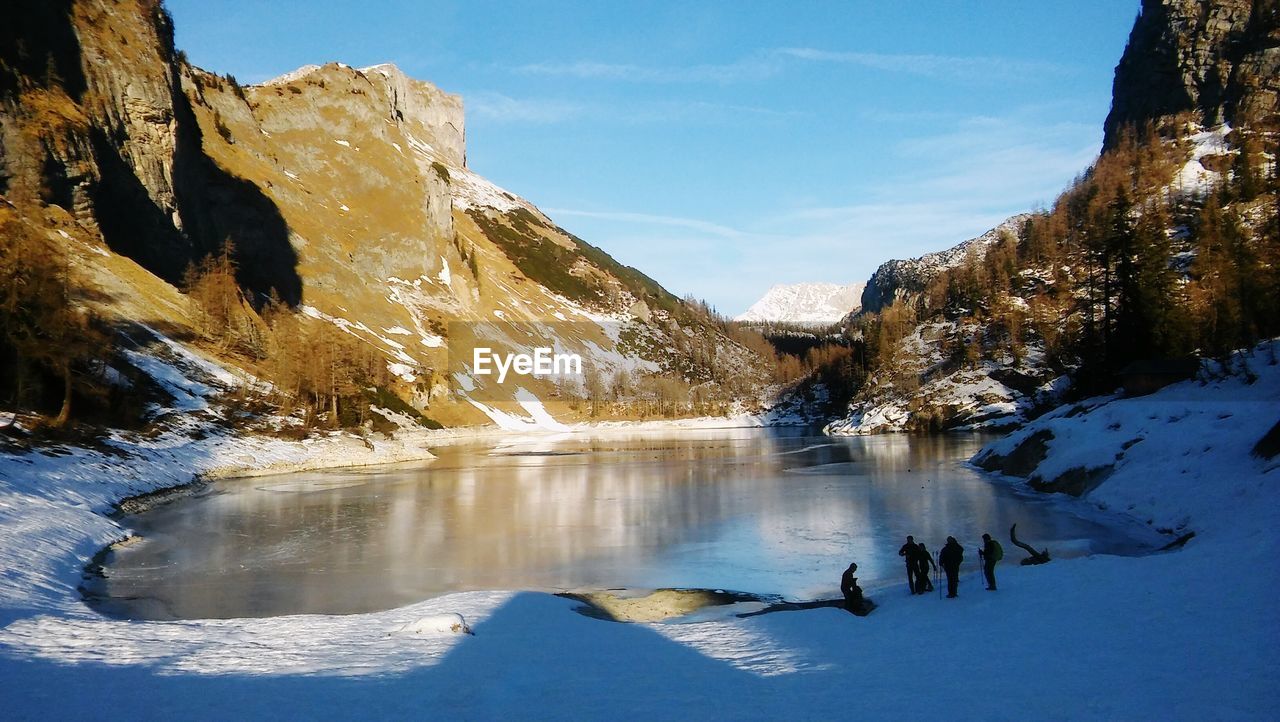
[(991, 552)]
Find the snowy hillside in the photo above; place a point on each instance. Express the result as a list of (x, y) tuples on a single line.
[(805, 303), (1169, 458), (993, 331), (926, 390)]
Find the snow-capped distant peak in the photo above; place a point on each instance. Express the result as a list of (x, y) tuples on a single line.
[(805, 303), (292, 75)]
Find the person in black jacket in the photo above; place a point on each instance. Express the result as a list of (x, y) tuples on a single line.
[(909, 552), (853, 600), (949, 559), (924, 568)]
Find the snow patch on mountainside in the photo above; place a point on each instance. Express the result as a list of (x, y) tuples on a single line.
[(805, 303), (538, 419), (472, 191), (292, 75), (1195, 178)]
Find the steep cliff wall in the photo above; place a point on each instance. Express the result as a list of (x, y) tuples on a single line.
[(71, 117), (429, 111), (343, 156), (1216, 58), (96, 123)]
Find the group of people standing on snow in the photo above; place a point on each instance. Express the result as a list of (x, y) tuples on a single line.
[(920, 565)]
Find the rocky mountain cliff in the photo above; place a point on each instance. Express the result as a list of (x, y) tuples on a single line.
[(96, 124), (1134, 261), (898, 279), (1219, 59), (343, 192)]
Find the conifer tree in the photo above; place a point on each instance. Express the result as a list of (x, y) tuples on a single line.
[(1217, 308), (1158, 317), (41, 324)]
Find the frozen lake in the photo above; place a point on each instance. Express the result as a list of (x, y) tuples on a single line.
[(771, 512)]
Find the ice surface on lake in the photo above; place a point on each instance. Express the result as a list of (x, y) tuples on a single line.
[(739, 509)]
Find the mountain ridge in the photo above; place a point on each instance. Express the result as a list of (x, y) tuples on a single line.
[(898, 278)]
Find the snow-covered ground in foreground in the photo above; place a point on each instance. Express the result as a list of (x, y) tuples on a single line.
[(1183, 635), (1179, 458)]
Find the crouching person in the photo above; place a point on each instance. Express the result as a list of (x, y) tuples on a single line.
[(853, 599)]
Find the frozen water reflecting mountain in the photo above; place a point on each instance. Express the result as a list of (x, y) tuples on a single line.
[(743, 509)]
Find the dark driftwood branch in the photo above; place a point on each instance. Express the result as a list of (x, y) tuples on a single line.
[(1178, 543), (867, 606), (1037, 557)]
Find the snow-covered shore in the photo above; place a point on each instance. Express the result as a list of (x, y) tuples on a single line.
[(1188, 634), (54, 501)]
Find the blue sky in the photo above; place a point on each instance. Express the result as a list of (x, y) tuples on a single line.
[(722, 147)]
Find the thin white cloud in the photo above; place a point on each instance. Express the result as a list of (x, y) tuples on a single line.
[(690, 111), (951, 67), (695, 224), (896, 116), (506, 109), (503, 108), (951, 185), (1010, 157), (770, 63), (756, 68), (837, 244)]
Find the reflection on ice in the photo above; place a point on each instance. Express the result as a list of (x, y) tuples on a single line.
[(736, 509)]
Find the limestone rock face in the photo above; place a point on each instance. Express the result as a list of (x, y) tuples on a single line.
[(86, 120), (810, 304), (134, 111), (419, 108), (425, 109), (372, 149), (1216, 58), (93, 119)]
